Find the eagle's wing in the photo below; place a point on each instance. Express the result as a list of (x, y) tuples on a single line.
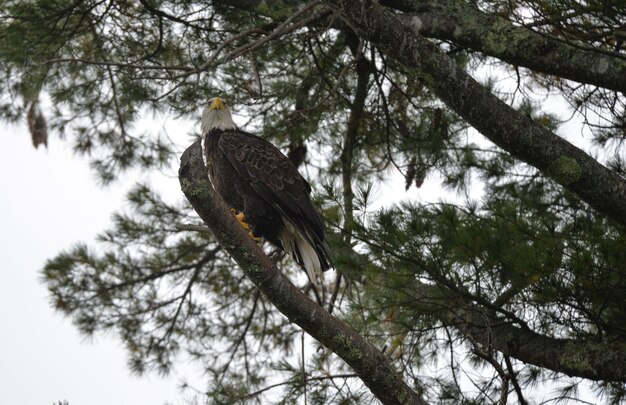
[(274, 177)]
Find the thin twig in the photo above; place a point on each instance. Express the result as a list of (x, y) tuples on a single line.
[(255, 73), (115, 64), (118, 112), (280, 384), (302, 365), (513, 376), (193, 227), (333, 298), (242, 337), (504, 391), (282, 29)]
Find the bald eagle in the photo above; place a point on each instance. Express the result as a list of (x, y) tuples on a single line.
[(265, 190)]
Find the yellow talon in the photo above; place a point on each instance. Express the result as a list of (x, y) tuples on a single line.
[(241, 218)]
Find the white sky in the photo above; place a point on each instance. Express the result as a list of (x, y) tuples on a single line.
[(50, 200)]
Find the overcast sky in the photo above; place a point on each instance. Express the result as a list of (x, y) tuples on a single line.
[(50, 200)]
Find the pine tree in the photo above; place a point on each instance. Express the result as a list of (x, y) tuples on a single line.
[(520, 283)]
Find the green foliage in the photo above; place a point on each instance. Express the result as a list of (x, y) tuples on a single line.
[(524, 248)]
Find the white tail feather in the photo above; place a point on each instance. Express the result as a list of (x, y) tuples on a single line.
[(295, 243)]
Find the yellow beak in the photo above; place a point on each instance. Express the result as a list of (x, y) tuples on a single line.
[(216, 104)]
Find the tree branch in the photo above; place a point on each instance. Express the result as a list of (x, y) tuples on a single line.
[(518, 390), (575, 357), (368, 362), (467, 26), (363, 69), (519, 135), (290, 24), (280, 384)]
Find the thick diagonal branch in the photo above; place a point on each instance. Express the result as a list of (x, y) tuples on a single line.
[(368, 362), (467, 26), (512, 131), (574, 357)]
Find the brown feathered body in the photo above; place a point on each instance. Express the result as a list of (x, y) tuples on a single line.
[(254, 177)]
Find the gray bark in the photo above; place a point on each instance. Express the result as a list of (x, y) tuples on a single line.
[(466, 26), (519, 135), (575, 357)]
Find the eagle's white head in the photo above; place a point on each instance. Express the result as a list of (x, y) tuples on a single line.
[(216, 115)]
